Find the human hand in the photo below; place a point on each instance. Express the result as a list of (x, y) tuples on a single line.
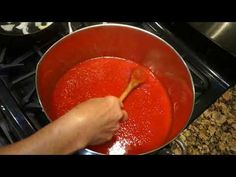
[(99, 119)]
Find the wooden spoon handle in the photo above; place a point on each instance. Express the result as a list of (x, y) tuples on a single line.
[(131, 86), (128, 89), (137, 78)]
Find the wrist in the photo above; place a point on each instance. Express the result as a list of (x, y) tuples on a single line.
[(73, 131)]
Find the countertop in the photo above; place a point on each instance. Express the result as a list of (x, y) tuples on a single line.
[(214, 132)]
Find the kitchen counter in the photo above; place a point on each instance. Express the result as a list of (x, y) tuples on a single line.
[(214, 132)]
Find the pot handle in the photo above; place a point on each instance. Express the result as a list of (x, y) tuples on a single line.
[(182, 146), (70, 28), (167, 151)]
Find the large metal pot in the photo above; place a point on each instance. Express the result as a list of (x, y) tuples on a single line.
[(126, 42)]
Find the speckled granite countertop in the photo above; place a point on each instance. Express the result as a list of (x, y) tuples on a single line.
[(214, 132)]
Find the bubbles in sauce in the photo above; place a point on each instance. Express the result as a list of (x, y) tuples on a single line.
[(148, 106)]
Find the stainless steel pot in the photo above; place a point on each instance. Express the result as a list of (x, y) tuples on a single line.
[(127, 42)]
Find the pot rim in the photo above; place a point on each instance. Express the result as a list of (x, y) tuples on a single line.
[(134, 28)]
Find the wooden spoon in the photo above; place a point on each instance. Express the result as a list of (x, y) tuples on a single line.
[(137, 77)]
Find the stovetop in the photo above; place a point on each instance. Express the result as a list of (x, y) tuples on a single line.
[(21, 114)]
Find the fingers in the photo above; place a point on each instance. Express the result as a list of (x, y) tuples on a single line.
[(117, 127), (115, 99), (112, 98), (121, 104), (125, 116), (109, 137)]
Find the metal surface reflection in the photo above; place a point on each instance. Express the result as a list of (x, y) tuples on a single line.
[(222, 33)]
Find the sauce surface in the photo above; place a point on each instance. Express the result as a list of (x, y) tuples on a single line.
[(148, 106)]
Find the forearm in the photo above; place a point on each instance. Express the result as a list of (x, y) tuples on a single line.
[(54, 138)]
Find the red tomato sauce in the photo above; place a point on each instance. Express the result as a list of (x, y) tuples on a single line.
[(148, 106)]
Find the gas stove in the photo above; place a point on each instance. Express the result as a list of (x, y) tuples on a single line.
[(21, 114)]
